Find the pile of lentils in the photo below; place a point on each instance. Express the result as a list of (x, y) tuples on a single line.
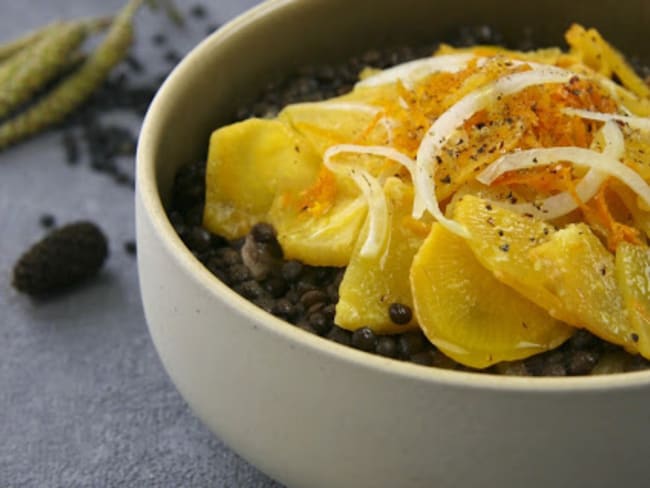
[(306, 296)]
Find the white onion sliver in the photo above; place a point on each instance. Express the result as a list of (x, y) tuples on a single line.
[(383, 151), (564, 203), (386, 152), (633, 121), (579, 156), (343, 106), (378, 224), (413, 70), (445, 126)]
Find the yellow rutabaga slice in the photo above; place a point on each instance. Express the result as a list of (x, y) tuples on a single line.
[(471, 316), (568, 272), (577, 268), (338, 121), (324, 238), (633, 278), (371, 284), (501, 240), (249, 164)]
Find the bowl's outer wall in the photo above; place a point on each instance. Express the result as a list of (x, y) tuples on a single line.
[(310, 413)]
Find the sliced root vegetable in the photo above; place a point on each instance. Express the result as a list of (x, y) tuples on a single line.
[(460, 307), (337, 121), (378, 218), (567, 272), (446, 125), (501, 240), (249, 164), (371, 284), (633, 278), (577, 268), (326, 239)]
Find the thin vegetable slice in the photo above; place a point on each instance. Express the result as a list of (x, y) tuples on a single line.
[(460, 307), (371, 284), (576, 155), (633, 278), (249, 164)]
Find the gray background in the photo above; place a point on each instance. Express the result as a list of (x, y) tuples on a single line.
[(84, 400)]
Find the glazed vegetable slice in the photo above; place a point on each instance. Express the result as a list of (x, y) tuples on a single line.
[(249, 164), (371, 284), (633, 278), (568, 272), (318, 239), (579, 270), (501, 240), (471, 316), (337, 121)]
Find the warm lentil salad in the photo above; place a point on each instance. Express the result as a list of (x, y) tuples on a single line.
[(480, 209)]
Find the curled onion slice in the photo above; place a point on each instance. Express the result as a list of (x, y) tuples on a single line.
[(445, 126), (343, 106), (412, 71), (563, 203), (378, 215), (603, 163), (642, 123)]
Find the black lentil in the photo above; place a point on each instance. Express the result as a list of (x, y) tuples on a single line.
[(47, 221), (320, 323), (198, 11), (387, 346), (411, 343), (305, 295), (159, 39), (172, 57), (263, 232), (399, 313), (364, 339), (283, 308), (65, 257), (130, 248), (312, 297)]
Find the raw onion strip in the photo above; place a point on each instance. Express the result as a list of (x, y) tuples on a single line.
[(445, 126), (378, 215), (642, 123), (576, 155), (343, 106), (412, 71), (563, 203)]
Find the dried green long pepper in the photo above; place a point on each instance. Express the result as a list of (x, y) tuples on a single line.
[(31, 69), (10, 48), (75, 89)]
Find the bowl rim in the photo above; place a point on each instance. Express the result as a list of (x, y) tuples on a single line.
[(147, 193)]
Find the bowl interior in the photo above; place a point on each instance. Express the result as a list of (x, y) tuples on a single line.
[(231, 66)]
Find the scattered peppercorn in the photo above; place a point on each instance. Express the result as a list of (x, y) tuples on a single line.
[(64, 257)]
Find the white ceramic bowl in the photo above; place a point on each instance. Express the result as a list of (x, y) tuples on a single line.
[(312, 413)]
